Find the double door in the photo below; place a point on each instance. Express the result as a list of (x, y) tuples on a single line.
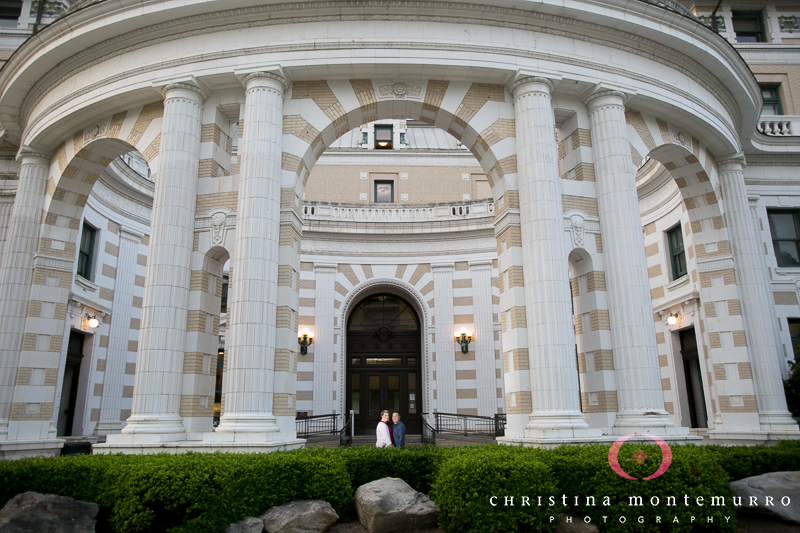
[(394, 390)]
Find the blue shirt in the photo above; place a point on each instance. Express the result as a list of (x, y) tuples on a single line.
[(399, 433)]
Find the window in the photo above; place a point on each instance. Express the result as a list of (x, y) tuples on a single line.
[(383, 137), (676, 252), (384, 191), (748, 27), (86, 252), (772, 100), (9, 12), (783, 225), (224, 299)]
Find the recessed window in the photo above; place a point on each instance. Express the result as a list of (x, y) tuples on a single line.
[(9, 12), (676, 252), (384, 191), (772, 100), (785, 230), (86, 252), (383, 137), (749, 27)]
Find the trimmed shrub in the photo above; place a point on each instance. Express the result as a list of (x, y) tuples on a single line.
[(741, 461), (468, 480)]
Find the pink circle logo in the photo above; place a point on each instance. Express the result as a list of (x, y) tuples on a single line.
[(639, 457)]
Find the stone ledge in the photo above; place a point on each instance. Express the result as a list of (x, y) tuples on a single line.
[(175, 448)]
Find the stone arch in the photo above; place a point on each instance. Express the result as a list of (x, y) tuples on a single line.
[(409, 293), (479, 115)]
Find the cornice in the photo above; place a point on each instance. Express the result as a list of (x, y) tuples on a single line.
[(671, 57)]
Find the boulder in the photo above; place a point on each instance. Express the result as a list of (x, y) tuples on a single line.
[(305, 516), (250, 524), (390, 504), (47, 513), (775, 485), (577, 525)]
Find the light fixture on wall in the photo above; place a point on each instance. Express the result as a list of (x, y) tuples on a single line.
[(464, 337), (305, 339), (91, 321), (672, 319)]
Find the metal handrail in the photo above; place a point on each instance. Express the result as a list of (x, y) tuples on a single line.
[(428, 432), (316, 426), (466, 425)]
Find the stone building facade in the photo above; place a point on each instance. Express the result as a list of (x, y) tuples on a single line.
[(595, 194)]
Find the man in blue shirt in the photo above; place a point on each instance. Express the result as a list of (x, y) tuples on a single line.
[(399, 430)]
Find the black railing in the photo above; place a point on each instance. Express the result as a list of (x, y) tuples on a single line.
[(469, 425), (345, 437), (316, 426), (428, 432), (76, 448)]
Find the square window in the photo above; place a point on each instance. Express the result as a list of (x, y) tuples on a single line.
[(383, 137), (772, 100), (785, 229), (86, 252), (748, 27), (384, 192), (676, 252)]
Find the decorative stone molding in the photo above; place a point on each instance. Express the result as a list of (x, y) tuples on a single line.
[(400, 91), (788, 23), (578, 223), (169, 90), (680, 138), (731, 163), (480, 265), (443, 267), (718, 263), (27, 155), (52, 263), (85, 284), (591, 100), (531, 84), (95, 132), (269, 75), (325, 267), (122, 204), (216, 220)]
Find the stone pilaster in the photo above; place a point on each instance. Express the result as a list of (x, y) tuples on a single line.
[(555, 399), (155, 415), (756, 299), (251, 340), (16, 269), (633, 336), (325, 288), (119, 334), (445, 346), (483, 342)]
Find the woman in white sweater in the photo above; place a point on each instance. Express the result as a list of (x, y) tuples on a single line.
[(383, 432)]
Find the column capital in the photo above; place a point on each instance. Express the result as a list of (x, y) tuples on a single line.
[(27, 152), (605, 97), (530, 84), (186, 90), (731, 162), (269, 79)]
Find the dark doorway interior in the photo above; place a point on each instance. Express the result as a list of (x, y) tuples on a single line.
[(69, 387), (384, 363), (694, 379)]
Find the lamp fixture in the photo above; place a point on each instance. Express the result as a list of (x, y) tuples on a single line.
[(463, 337), (672, 319), (305, 339), (92, 321)]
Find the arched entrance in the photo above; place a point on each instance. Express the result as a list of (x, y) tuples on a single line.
[(384, 366)]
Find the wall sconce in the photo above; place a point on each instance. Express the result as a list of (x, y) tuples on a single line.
[(672, 319), (91, 321), (305, 339), (464, 337)]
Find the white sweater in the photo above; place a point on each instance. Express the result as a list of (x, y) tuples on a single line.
[(384, 439)]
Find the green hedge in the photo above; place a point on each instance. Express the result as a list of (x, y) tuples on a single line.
[(205, 493)]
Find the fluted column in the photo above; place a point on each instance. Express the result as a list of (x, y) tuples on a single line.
[(551, 346), (16, 269), (162, 340), (756, 296), (119, 334), (633, 335), (248, 384)]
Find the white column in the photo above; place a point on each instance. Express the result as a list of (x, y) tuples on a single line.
[(16, 269), (162, 340), (325, 288), (445, 346), (483, 343), (119, 333), (248, 384), (633, 335), (548, 304), (755, 293)]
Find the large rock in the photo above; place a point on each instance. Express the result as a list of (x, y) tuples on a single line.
[(47, 513), (390, 504), (306, 516), (778, 486), (250, 524)]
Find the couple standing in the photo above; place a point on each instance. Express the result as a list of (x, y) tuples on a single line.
[(394, 435)]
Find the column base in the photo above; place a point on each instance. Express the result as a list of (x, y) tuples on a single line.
[(258, 423), (168, 428), (196, 446), (106, 427), (556, 420), (646, 422), (781, 422), (17, 449)]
